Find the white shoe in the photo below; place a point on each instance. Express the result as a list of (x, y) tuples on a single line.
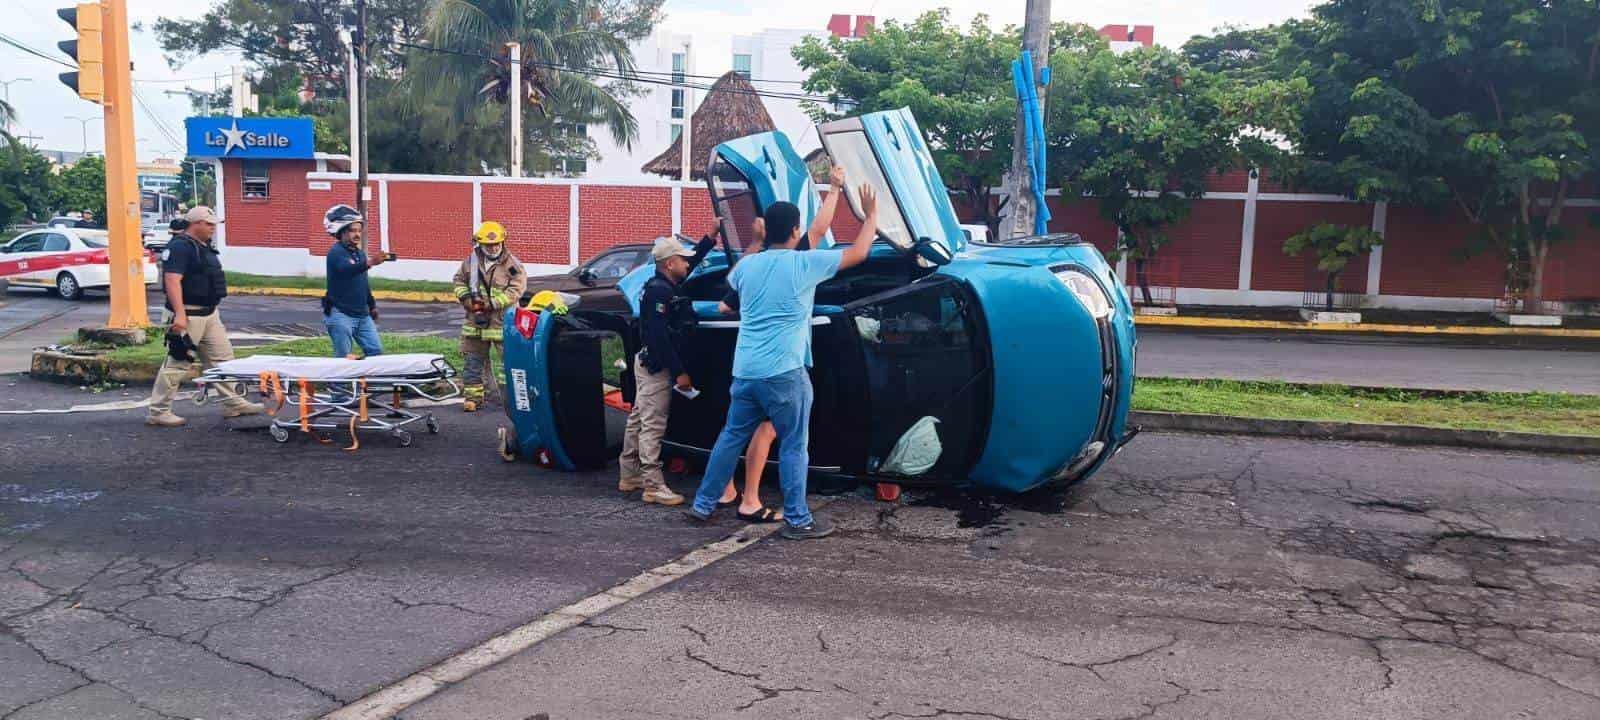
[(166, 419)]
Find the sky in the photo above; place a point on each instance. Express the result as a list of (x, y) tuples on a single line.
[(45, 106)]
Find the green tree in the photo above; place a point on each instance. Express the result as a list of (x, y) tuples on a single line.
[(8, 115), (950, 77), (1334, 247), (568, 49), (1482, 106), (1144, 132), (82, 188), (27, 183)]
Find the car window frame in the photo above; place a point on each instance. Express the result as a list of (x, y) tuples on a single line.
[(11, 246), (66, 242), (606, 257)]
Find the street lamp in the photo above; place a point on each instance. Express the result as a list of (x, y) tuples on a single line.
[(85, 122), (7, 84)]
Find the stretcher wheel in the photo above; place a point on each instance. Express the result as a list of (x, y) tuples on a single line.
[(508, 449), (433, 425), (403, 437), (279, 433)]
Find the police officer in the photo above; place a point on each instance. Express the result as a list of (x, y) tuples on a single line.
[(656, 369), (490, 280), (191, 272)]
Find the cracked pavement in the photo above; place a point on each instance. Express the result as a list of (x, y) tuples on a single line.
[(205, 573), (1196, 577)]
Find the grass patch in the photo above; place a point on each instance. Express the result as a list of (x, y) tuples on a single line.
[(238, 279), (1551, 413)]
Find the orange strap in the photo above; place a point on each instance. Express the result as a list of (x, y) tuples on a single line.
[(355, 440), (305, 406), (363, 400)]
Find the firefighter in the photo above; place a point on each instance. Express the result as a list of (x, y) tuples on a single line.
[(490, 280)]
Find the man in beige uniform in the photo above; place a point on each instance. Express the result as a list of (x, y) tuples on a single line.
[(191, 272)]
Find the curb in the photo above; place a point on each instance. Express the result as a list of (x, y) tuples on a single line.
[(1207, 323), (400, 295), (73, 369), (1394, 434)]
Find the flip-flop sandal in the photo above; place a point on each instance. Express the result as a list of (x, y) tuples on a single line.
[(764, 515)]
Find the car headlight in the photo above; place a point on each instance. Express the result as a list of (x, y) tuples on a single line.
[(1088, 292)]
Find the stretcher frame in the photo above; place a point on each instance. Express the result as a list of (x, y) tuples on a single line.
[(351, 404)]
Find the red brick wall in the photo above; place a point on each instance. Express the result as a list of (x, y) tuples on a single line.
[(273, 221), (430, 220), (611, 215), (340, 192), (537, 219), (1270, 269), (696, 215), (1421, 257), (1082, 216), (1572, 271), (1206, 245)]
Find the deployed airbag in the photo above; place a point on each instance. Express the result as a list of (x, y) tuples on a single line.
[(917, 451)]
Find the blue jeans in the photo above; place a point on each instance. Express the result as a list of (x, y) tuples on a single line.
[(785, 400), (342, 329)]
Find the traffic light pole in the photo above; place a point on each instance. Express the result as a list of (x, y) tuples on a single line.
[(122, 193)]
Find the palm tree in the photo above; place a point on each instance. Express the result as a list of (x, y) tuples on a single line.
[(575, 57)]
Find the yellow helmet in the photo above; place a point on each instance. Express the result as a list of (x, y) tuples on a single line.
[(490, 233)]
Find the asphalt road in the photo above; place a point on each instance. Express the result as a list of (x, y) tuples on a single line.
[(1371, 360), (1197, 577)]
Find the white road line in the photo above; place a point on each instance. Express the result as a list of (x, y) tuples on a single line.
[(393, 699)]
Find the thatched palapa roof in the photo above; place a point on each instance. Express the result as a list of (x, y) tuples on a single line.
[(731, 109)]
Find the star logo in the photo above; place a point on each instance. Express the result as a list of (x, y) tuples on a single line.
[(234, 138)]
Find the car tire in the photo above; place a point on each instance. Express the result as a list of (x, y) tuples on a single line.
[(67, 287)]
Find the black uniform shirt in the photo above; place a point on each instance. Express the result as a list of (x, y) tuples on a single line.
[(204, 283), (655, 307)]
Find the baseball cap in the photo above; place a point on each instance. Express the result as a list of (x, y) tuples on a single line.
[(667, 247), (201, 213)]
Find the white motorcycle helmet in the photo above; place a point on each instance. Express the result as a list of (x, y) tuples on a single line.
[(340, 217)]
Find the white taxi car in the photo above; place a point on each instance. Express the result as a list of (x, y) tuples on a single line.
[(64, 259)]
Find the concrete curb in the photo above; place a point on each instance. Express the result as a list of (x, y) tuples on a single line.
[(1395, 434), (400, 295), (1210, 323), (73, 369)]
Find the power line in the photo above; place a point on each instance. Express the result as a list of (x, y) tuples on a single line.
[(8, 40), (627, 77), (160, 124)]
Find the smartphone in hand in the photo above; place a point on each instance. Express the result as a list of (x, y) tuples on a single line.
[(390, 257)]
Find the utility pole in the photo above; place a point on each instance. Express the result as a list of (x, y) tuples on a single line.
[(354, 98), (515, 50), (1021, 206), (360, 158), (686, 145)]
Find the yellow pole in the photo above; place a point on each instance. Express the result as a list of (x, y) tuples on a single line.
[(122, 193)]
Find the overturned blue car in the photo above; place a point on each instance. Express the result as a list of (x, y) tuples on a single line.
[(940, 361)]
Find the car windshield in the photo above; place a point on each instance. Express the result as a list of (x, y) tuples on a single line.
[(1036, 240), (851, 151)]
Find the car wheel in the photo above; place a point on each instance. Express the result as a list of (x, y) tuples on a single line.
[(67, 287)]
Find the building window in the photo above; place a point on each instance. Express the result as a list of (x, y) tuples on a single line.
[(741, 64), (677, 131), (257, 180), (576, 164), (679, 62), (677, 104)]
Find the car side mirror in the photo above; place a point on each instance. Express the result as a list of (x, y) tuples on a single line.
[(587, 277), (934, 253)]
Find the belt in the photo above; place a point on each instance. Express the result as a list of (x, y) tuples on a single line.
[(199, 310)]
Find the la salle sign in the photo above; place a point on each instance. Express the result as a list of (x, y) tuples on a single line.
[(251, 138)]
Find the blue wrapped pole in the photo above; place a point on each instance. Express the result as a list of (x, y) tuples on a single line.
[(1033, 133)]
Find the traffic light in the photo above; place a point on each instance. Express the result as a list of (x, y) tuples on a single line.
[(88, 50)]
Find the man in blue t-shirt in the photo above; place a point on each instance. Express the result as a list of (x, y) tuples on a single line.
[(777, 288), (348, 308)]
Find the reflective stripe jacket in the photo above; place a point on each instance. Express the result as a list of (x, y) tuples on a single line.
[(500, 284)]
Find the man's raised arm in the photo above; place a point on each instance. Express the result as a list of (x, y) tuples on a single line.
[(858, 250), (830, 204)]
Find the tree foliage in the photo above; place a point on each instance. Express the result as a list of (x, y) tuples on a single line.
[(82, 188), (1334, 246), (1145, 131), (948, 75), (1483, 107), (27, 184)]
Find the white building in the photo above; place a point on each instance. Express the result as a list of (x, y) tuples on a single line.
[(697, 59)]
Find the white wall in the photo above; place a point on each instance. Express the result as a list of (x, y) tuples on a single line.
[(710, 54)]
